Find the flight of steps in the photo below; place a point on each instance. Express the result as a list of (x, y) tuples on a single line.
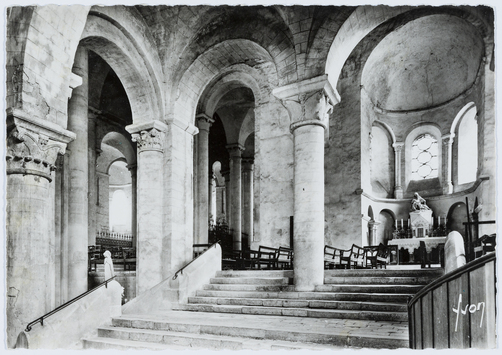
[(261, 310)]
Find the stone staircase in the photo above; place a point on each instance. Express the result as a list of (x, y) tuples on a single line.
[(261, 310)]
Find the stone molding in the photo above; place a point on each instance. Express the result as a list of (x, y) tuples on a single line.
[(448, 138), (309, 102), (34, 144), (149, 136), (398, 146), (184, 126)]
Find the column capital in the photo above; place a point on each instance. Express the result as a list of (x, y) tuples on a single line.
[(235, 149), (204, 122), (34, 144), (448, 138), (398, 146), (247, 164), (309, 102), (226, 174), (132, 169), (149, 135)]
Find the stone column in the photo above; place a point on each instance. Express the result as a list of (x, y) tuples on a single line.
[(447, 162), (247, 198), (134, 186), (149, 137), (235, 223), (78, 206), (92, 195), (220, 203), (226, 176), (309, 104), (204, 122), (32, 147), (398, 188)]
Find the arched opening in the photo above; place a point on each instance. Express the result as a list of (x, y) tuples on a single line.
[(382, 163), (120, 192), (385, 229), (467, 159)]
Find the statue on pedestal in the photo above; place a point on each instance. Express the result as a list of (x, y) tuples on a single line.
[(418, 203)]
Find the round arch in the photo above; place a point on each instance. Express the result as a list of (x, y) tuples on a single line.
[(137, 75)]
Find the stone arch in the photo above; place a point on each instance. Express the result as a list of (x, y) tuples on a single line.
[(40, 65), (209, 66), (122, 159), (119, 141), (138, 70), (465, 130)]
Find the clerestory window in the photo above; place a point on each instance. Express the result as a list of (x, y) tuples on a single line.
[(424, 157)]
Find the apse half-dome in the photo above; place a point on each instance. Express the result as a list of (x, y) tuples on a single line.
[(425, 63)]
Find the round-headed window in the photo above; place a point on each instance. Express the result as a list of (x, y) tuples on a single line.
[(424, 157)]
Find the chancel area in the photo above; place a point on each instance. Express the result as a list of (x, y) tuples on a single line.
[(250, 177)]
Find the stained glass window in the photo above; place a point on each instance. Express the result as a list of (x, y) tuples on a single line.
[(424, 157)]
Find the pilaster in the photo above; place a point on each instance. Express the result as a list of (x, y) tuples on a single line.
[(447, 164), (398, 188)]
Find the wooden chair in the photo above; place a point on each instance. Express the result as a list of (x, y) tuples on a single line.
[(356, 258), (371, 253), (266, 256), (284, 258), (329, 257), (383, 256)]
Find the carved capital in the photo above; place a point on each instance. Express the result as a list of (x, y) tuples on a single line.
[(247, 164), (235, 150), (149, 136), (33, 145), (398, 146), (204, 122), (448, 139), (308, 102)]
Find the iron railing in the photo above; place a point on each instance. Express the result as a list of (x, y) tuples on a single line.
[(64, 305), (180, 271)]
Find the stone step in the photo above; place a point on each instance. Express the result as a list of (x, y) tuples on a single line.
[(251, 280), (298, 312), (383, 288), (255, 273), (377, 280), (241, 287), (164, 339), (296, 303), (331, 331), (408, 289), (428, 272), (120, 344), (331, 296)]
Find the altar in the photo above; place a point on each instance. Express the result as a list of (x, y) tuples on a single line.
[(433, 246)]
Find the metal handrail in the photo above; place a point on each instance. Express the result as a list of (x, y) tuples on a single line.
[(180, 271), (64, 305), (476, 263)]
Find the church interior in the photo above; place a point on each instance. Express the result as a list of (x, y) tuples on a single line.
[(315, 145)]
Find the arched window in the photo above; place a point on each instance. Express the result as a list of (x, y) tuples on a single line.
[(424, 157)]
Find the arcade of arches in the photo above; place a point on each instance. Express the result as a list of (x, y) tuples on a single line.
[(184, 116)]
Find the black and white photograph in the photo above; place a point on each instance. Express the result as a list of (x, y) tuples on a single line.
[(267, 176)]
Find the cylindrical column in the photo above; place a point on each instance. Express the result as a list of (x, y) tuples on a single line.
[(235, 224), (134, 224), (203, 123), (92, 179), (247, 199), (31, 153), (398, 189), (79, 175), (227, 207), (308, 204), (150, 143), (447, 162), (220, 203)]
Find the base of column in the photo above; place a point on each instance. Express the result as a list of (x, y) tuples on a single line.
[(398, 193)]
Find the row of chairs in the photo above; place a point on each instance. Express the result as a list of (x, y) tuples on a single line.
[(264, 258), (484, 244), (356, 257)]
